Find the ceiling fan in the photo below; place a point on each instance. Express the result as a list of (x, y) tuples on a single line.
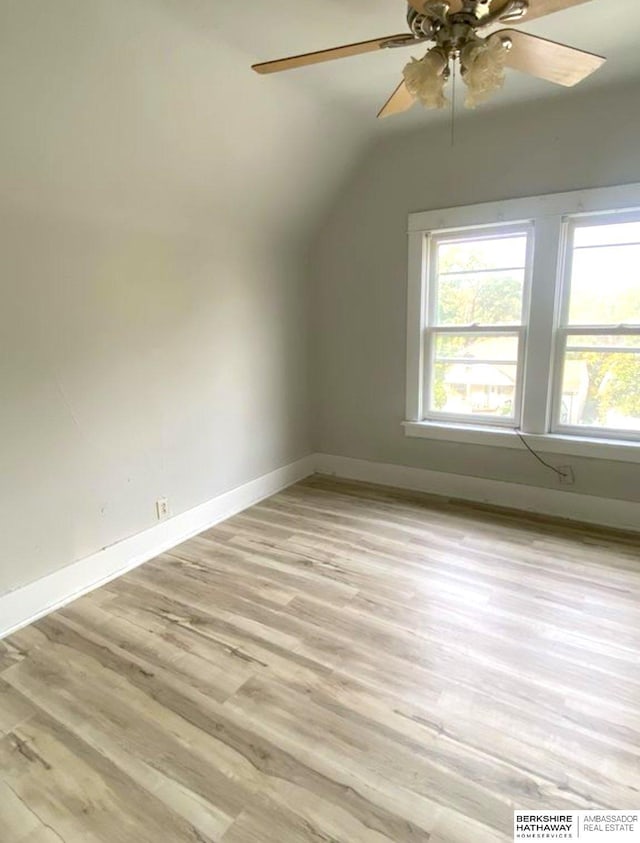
[(470, 32)]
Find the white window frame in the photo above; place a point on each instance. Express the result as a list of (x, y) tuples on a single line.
[(431, 330), (549, 215), (564, 330)]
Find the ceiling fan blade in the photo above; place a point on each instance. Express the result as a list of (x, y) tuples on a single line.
[(549, 60), (347, 50), (400, 100), (539, 8)]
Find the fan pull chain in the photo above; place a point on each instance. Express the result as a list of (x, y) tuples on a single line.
[(453, 106)]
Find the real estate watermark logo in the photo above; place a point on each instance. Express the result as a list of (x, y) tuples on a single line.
[(584, 826)]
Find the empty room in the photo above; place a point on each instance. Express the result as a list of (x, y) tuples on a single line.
[(319, 421)]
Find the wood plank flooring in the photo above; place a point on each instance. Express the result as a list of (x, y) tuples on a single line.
[(339, 664)]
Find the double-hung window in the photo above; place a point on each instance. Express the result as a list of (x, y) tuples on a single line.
[(524, 316), (598, 371), (475, 326)]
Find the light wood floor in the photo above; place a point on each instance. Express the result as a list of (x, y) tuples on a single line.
[(339, 664)]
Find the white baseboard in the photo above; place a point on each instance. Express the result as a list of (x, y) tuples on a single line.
[(24, 605), (605, 512)]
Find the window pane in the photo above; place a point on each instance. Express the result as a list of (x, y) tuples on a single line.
[(600, 343), (605, 286), (479, 253), (603, 235), (484, 298), (481, 281), (475, 375), (601, 388)]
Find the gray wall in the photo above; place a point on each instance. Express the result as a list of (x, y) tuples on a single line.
[(360, 268), (153, 318), (155, 202)]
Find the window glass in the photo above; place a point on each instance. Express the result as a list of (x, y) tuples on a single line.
[(475, 375), (600, 365), (605, 285), (601, 384), (480, 281)]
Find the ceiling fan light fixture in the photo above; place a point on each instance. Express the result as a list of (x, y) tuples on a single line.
[(464, 31), (482, 64), (426, 78)]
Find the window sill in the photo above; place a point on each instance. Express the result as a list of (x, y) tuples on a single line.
[(579, 446)]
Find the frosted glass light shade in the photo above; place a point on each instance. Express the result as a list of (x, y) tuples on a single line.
[(483, 68), (425, 78)]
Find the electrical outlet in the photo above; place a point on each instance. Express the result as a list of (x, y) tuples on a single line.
[(566, 476), (162, 508)]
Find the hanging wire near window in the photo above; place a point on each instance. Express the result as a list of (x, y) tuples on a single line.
[(557, 471)]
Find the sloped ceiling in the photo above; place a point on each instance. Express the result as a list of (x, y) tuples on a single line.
[(148, 109), (146, 113)]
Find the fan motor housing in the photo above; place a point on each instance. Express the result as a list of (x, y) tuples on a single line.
[(476, 13), (420, 25)]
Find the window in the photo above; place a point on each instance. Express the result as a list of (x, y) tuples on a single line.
[(599, 335), (524, 316), (475, 325)]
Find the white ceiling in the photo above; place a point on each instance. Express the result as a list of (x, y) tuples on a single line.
[(276, 28)]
